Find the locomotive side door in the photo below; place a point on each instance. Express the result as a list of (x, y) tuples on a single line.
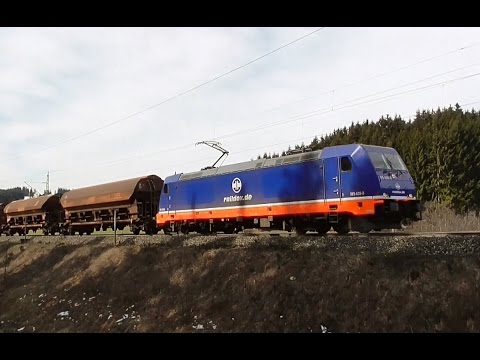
[(171, 198), (331, 178), (346, 177)]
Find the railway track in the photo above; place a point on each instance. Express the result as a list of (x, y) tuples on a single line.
[(247, 234), (454, 243)]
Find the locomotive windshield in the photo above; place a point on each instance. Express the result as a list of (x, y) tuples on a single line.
[(387, 161)]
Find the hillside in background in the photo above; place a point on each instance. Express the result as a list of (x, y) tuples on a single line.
[(9, 195)]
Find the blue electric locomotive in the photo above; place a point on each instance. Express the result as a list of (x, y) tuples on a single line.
[(347, 187)]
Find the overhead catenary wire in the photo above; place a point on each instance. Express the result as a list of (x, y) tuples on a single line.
[(116, 162), (281, 122), (172, 97), (266, 146), (315, 113), (377, 76), (339, 106), (242, 66)]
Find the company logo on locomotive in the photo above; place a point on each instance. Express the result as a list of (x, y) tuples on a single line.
[(236, 188), (236, 185)]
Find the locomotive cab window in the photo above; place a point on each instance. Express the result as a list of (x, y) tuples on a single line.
[(165, 189), (346, 165)]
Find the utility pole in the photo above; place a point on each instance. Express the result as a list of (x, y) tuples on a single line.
[(47, 184), (115, 226)]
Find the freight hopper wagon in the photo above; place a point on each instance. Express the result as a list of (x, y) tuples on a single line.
[(3, 220), (348, 187), (41, 213), (134, 201)]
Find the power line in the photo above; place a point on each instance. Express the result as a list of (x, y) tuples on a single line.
[(475, 102), (314, 113), (300, 116), (382, 74), (116, 162), (173, 97), (290, 141), (255, 129), (331, 109)]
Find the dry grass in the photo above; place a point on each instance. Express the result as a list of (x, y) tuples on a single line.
[(345, 285), (439, 217)]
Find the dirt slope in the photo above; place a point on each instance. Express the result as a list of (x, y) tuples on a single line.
[(240, 284)]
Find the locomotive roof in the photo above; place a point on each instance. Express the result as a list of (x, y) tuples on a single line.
[(29, 205), (254, 164), (118, 191), (336, 150)]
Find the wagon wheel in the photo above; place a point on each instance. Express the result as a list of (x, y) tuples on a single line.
[(405, 223)]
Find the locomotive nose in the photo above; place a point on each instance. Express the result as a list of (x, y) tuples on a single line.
[(396, 185)]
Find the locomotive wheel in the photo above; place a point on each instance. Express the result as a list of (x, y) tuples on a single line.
[(300, 231), (184, 229), (323, 228), (203, 228), (136, 230), (229, 229), (342, 227)]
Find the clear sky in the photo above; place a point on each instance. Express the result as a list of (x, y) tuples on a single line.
[(85, 104)]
